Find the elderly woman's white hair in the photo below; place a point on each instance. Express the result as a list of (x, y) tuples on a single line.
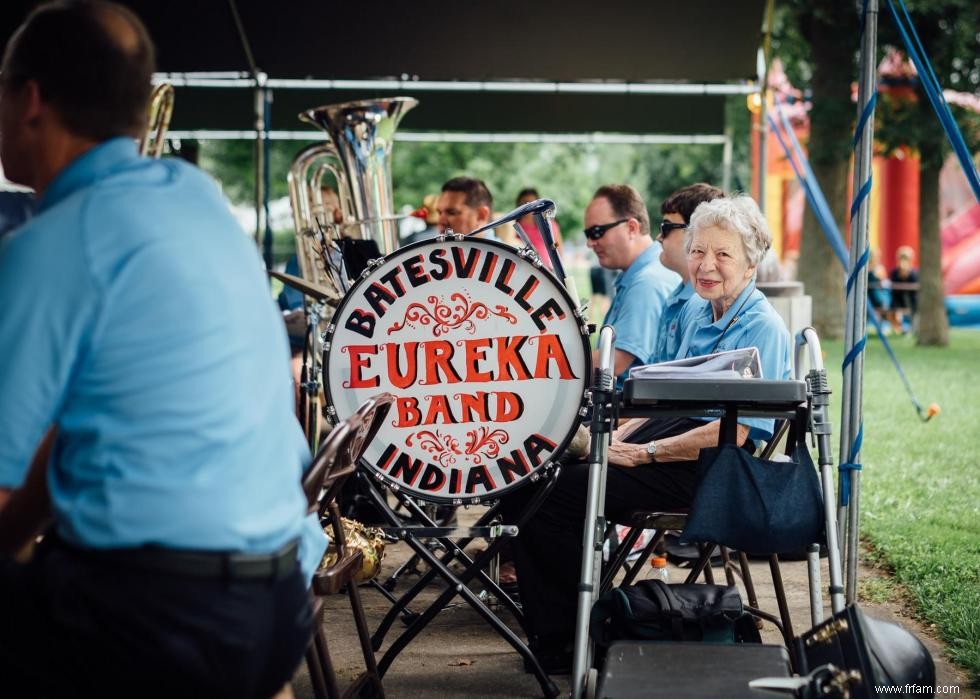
[(739, 214)]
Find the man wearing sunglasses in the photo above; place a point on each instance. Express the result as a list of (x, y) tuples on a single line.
[(676, 212), (617, 230)]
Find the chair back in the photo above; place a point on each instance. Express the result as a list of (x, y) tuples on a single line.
[(338, 455)]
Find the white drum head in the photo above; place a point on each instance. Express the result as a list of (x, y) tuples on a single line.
[(485, 354)]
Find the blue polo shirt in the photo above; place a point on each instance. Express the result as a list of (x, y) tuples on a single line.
[(671, 330), (641, 291), (136, 317), (756, 324)]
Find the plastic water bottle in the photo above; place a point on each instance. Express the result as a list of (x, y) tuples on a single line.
[(660, 571)]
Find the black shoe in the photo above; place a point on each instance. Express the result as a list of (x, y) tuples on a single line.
[(555, 658)]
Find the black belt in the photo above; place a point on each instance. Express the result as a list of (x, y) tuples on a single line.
[(213, 565)]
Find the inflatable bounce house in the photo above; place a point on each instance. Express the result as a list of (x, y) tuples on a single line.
[(894, 209)]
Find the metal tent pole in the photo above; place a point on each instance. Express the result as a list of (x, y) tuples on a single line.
[(852, 424)]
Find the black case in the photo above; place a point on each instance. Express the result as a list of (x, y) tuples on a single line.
[(872, 651)]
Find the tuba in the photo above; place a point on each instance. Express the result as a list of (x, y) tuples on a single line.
[(357, 153), (160, 109)]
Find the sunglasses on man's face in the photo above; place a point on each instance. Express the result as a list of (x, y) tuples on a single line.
[(667, 226), (596, 232)]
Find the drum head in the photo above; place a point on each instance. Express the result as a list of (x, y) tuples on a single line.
[(486, 357)]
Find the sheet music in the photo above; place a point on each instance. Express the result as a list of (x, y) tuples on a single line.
[(732, 364)]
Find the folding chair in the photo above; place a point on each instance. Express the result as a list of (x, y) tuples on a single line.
[(334, 463)]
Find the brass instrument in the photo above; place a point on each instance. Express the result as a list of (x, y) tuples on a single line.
[(357, 153), (160, 110)]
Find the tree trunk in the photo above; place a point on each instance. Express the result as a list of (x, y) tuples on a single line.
[(831, 124), (819, 270), (932, 321)]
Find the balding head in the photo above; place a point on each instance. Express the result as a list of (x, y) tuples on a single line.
[(92, 61)]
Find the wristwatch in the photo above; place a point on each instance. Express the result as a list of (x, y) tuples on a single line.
[(652, 450)]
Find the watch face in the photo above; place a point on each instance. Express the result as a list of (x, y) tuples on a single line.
[(652, 448)]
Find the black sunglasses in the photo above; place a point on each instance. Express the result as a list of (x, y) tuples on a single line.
[(667, 226), (596, 232)]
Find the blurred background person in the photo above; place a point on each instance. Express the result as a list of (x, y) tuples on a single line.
[(530, 226), (904, 299)]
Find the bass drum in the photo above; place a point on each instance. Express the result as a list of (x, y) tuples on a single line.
[(486, 354)]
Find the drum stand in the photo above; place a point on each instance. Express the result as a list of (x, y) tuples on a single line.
[(454, 539), (309, 384)]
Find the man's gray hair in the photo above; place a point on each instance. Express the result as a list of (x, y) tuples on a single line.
[(738, 214)]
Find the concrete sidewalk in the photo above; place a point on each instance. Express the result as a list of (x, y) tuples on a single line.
[(459, 655)]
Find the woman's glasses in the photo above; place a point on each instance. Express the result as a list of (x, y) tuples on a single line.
[(596, 232)]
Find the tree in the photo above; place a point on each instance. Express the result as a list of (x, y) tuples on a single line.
[(817, 40), (948, 32)]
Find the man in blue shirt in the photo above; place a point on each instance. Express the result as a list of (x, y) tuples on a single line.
[(617, 229), (147, 414), (676, 211)]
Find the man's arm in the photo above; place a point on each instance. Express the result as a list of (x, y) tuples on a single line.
[(26, 510)]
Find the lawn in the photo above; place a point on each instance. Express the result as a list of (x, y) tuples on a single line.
[(920, 488)]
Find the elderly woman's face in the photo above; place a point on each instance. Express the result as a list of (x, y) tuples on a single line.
[(718, 266)]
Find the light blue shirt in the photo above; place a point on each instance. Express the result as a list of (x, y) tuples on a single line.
[(756, 324), (136, 317), (635, 311), (671, 330)]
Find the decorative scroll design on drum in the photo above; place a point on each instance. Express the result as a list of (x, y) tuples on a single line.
[(443, 317), (485, 442), (443, 447)]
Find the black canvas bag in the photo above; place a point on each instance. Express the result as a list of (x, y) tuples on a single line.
[(652, 610), (756, 506)]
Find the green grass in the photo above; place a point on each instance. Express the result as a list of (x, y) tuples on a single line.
[(920, 488)]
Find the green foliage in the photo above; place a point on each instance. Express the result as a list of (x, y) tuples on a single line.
[(567, 173), (948, 32), (920, 487)]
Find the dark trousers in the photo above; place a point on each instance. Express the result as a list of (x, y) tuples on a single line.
[(76, 625), (548, 550)]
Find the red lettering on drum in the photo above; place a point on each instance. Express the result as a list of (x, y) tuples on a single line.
[(408, 412), (470, 402), (550, 350), (438, 356), (438, 412), (358, 363), (362, 322), (508, 356), (481, 407), (476, 352), (398, 378)]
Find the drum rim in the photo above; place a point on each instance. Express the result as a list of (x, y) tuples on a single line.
[(523, 252)]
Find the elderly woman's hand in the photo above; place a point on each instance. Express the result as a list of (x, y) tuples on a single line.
[(628, 455)]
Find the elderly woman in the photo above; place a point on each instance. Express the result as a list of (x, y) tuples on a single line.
[(653, 460)]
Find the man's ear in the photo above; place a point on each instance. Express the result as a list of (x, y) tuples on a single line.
[(30, 106), (484, 214)]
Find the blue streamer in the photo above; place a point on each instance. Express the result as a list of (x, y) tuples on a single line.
[(861, 264), (869, 109), (852, 354), (933, 90), (861, 195)]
